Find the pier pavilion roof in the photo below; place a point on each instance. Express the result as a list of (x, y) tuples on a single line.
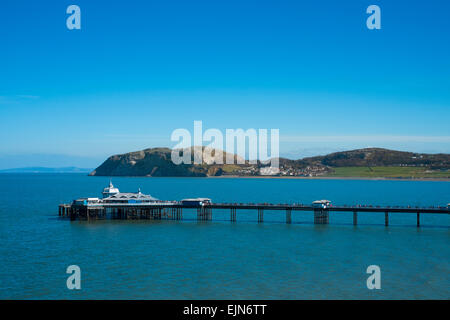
[(130, 196)]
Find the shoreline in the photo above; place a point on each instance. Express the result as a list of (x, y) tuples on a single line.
[(292, 178), (331, 178)]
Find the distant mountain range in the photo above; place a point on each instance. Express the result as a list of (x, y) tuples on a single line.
[(47, 160), (156, 162), (47, 170)]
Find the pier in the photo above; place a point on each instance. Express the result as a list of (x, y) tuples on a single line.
[(128, 206), (173, 210)]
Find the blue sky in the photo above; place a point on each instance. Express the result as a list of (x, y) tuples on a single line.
[(137, 70)]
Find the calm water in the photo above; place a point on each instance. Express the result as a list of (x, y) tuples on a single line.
[(220, 260)]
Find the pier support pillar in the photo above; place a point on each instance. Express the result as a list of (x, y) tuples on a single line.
[(386, 218), (321, 216), (288, 216), (233, 215), (418, 219), (355, 218), (72, 213), (260, 215), (206, 213)]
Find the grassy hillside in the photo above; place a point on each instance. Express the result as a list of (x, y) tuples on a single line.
[(389, 172), (378, 157)]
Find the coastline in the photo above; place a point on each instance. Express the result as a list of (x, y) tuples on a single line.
[(290, 178), (331, 178)]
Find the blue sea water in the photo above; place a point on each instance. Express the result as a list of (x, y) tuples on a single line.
[(218, 259)]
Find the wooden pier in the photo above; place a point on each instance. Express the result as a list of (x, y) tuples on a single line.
[(174, 211)]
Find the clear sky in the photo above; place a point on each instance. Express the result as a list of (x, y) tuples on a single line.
[(137, 70)]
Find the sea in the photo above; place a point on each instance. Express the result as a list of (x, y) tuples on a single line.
[(219, 259)]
